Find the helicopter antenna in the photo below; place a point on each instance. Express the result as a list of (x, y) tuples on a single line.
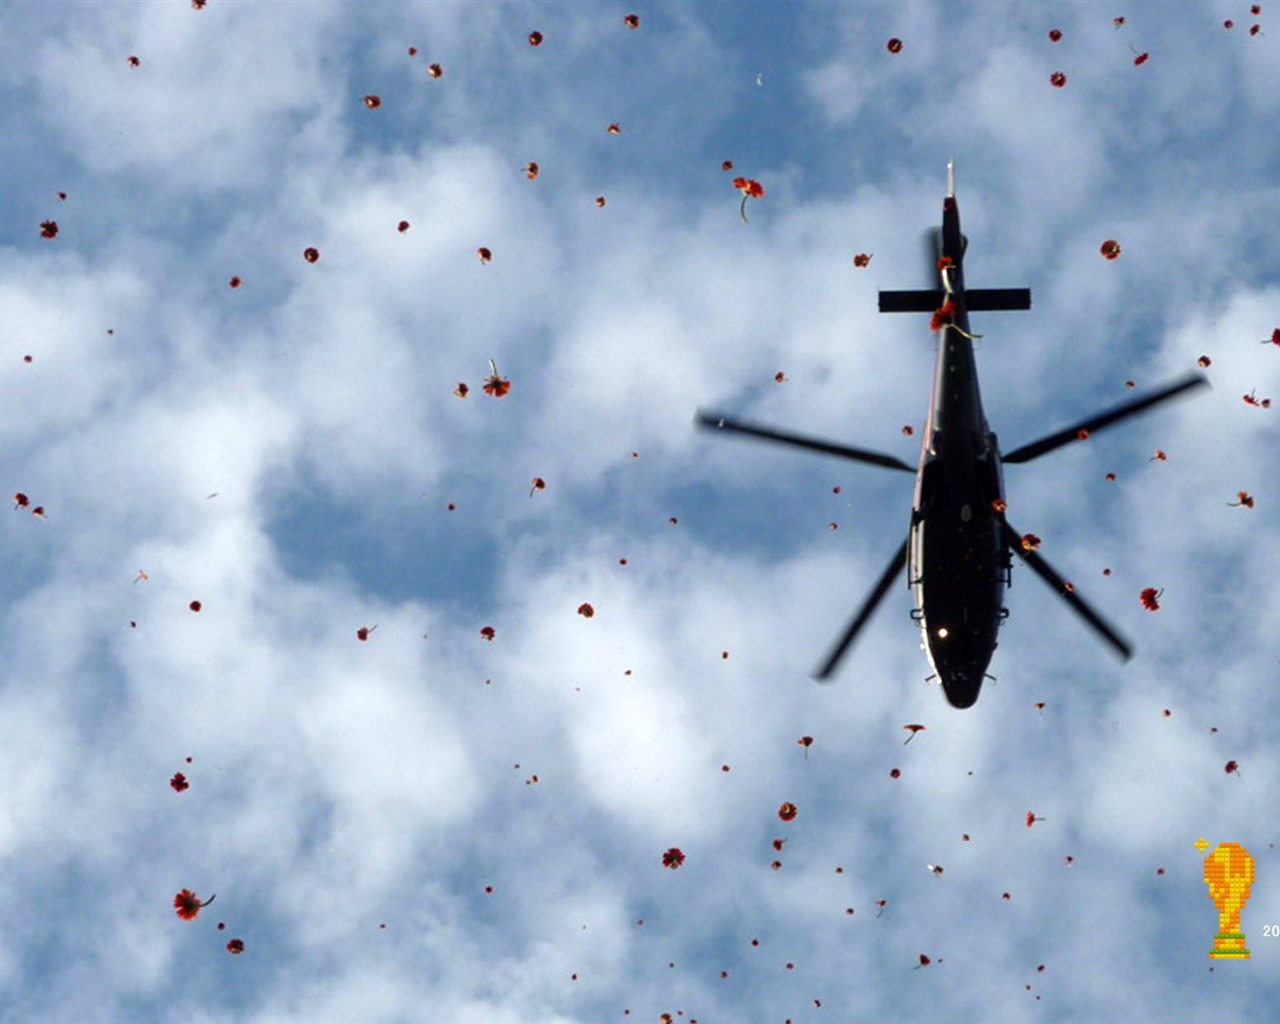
[(951, 177)]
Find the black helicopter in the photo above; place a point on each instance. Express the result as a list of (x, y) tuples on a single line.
[(958, 554)]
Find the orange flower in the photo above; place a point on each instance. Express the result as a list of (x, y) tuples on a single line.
[(461, 390), (632, 21), (942, 316), (1032, 819), (1159, 456), (615, 128), (495, 385), (538, 485), (779, 377), (531, 170), (1244, 499), (727, 165), (999, 505), (750, 189), (1083, 435), (188, 904), (946, 263), (1030, 542), (373, 102)]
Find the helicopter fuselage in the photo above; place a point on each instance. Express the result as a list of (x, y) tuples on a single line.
[(957, 562)]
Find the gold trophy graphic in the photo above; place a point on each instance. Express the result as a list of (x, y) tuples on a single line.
[(1228, 871)]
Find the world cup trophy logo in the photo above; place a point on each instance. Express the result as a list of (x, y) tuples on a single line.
[(1228, 871)]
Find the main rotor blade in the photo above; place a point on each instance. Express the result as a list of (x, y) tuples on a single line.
[(1056, 440), (897, 565), (1042, 569), (717, 422)]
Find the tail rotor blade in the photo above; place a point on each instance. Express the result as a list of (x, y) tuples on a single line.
[(1121, 412), (895, 568), (715, 421), (1041, 568)]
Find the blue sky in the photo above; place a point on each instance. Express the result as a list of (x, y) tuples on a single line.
[(337, 786)]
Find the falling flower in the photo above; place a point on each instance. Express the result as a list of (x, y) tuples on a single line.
[(779, 377), (234, 283), (235, 947), (673, 858), (1254, 29), (541, 485), (894, 45), (945, 263), (1030, 542), (461, 391), (20, 500), (1140, 59), (195, 606), (362, 634), (1150, 599), (134, 62), (188, 904), (1131, 384), (26, 359), (631, 21), (615, 128), (750, 189), (179, 783), (1117, 22), (1159, 456), (1205, 360), (936, 869), (1111, 478), (1252, 399), (863, 259), (1039, 706), (913, 729), (787, 812), (1273, 340), (535, 38), (495, 385), (142, 575), (435, 71), (1057, 79), (895, 773), (1055, 35), (1110, 249), (1244, 499), (39, 512), (924, 962), (413, 51), (585, 610), (484, 254), (1032, 819), (1082, 434), (806, 742), (373, 102), (311, 254), (531, 170), (908, 430), (999, 505), (1231, 767), (600, 201), (49, 229), (403, 226), (942, 316), (487, 633)]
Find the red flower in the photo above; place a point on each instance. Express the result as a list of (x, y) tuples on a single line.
[(1254, 29), (806, 742), (235, 947), (1082, 434), (908, 430), (913, 729), (945, 263), (1274, 339), (311, 255), (615, 128), (787, 812), (49, 229), (179, 783), (38, 512), (894, 45), (1244, 499), (362, 634), (924, 962), (531, 170), (373, 102), (1255, 9), (1032, 819), (1159, 456), (1230, 767), (495, 385), (1228, 24), (535, 38), (1141, 59), (1030, 542), (894, 773), (134, 62), (487, 633), (413, 51), (484, 254), (727, 165), (403, 226), (1055, 34), (234, 282), (779, 377), (188, 904), (26, 359), (1110, 249), (195, 606), (1130, 384), (631, 21), (1057, 79), (600, 200), (461, 390), (999, 505), (1205, 360), (541, 485), (942, 316), (673, 858), (863, 259), (1150, 599), (435, 71), (585, 610), (20, 500), (1117, 22), (750, 189)]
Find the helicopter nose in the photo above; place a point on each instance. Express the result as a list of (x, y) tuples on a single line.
[(962, 688)]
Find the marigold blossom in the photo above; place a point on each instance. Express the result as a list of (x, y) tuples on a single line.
[(1231, 767), (134, 62), (541, 485), (1055, 35), (615, 128), (403, 226), (726, 165), (1032, 819), (1244, 499), (1205, 360), (20, 500), (495, 385), (362, 634)]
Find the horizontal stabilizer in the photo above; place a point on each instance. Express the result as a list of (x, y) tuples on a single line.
[(976, 300), (980, 300), (911, 302)]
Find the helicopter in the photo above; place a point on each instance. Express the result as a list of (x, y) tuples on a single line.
[(958, 553)]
